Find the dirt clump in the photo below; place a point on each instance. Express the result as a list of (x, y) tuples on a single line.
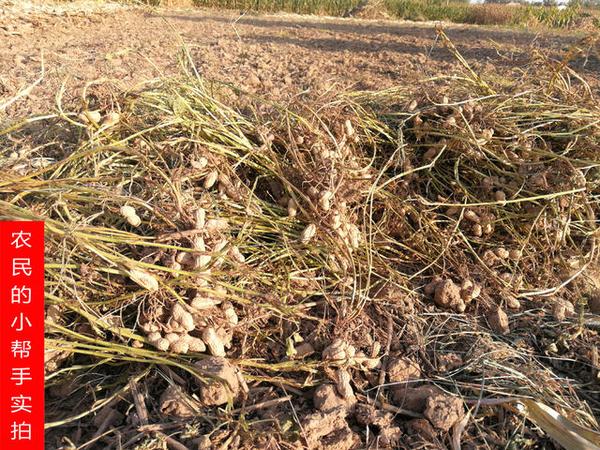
[(341, 439), (321, 423), (443, 411), (447, 295), (329, 430), (390, 437), (175, 402), (343, 384), (401, 370), (413, 398), (366, 414), (224, 384), (402, 303), (561, 309), (421, 428), (498, 320), (326, 398), (389, 434)]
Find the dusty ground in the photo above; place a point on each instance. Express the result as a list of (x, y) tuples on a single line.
[(276, 55)]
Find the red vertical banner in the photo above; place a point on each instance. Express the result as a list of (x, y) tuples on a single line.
[(22, 335)]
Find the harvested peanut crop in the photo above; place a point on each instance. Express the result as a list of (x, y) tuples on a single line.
[(352, 273)]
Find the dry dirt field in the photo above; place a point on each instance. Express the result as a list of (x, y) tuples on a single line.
[(338, 234), (280, 55)]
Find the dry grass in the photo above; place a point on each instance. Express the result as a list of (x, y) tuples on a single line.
[(493, 14), (341, 212), (457, 12)]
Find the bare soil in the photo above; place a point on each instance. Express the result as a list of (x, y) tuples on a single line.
[(278, 55)]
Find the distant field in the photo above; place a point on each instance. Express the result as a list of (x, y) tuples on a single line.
[(458, 12)]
